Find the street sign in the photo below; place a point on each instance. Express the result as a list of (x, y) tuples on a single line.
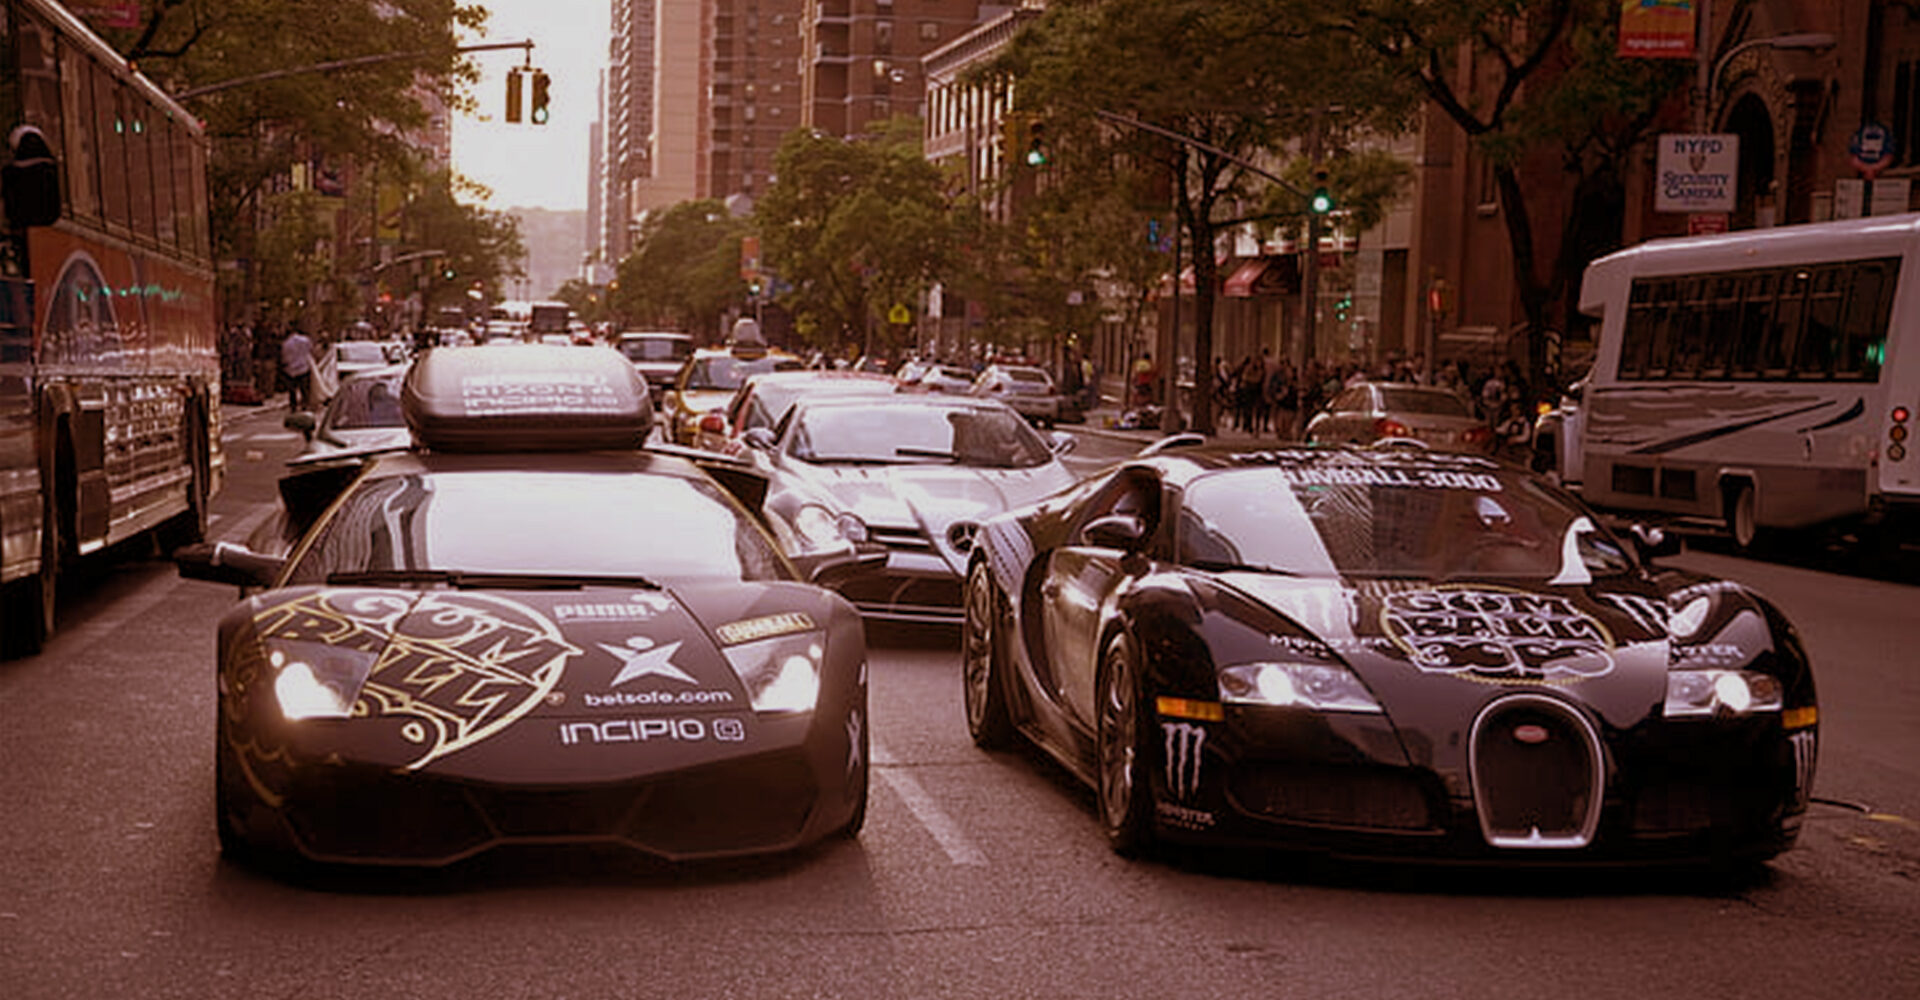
[(1705, 223), (898, 315), (1697, 173), (1871, 148)]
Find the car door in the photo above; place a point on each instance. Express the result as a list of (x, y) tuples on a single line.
[(1075, 587)]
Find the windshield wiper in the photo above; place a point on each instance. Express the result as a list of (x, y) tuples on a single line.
[(1219, 566), (483, 580), (926, 453)]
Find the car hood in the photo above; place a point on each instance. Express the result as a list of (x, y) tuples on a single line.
[(525, 686), (1434, 654), (932, 498)]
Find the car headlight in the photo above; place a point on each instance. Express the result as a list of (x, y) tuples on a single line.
[(1720, 692), (314, 680), (781, 674), (1327, 687), (852, 528), (818, 527)]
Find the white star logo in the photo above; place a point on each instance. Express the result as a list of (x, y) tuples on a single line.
[(639, 658)]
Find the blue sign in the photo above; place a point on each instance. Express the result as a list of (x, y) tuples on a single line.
[(1871, 145)]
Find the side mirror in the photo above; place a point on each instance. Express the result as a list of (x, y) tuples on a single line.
[(1653, 542), (1063, 443), (1117, 531), (225, 562), (760, 438), (302, 421)]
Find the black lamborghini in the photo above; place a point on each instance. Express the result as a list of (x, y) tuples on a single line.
[(1389, 653), (528, 630)]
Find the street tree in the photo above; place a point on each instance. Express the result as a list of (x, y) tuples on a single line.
[(1546, 84), (684, 270), (854, 227), (262, 132), (474, 246), (1228, 85)]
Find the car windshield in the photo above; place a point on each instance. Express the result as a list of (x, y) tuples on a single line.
[(656, 349), (366, 403), (727, 372), (1444, 404), (886, 434), (361, 352), (1025, 374), (1430, 517), (559, 524)]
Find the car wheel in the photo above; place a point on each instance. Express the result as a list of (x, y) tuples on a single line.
[(1742, 517), (983, 675), (1125, 789)]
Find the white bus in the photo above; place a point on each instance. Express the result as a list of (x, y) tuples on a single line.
[(1758, 381)]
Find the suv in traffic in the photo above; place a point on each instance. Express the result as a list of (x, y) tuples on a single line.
[(657, 356)]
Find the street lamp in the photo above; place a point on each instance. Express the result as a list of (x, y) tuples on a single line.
[(1810, 41)]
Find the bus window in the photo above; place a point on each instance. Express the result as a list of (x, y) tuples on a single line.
[(1666, 317), (1813, 356), (1723, 325), (1690, 328), (1863, 331), (1638, 332), (109, 124), (82, 189), (1776, 357), (1756, 318)]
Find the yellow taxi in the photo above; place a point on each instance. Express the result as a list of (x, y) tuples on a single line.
[(707, 382)]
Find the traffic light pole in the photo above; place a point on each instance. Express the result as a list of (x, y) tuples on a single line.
[(327, 67)]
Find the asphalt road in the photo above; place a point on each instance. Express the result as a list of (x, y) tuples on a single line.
[(978, 875)]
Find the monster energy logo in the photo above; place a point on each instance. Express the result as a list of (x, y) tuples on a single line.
[(1184, 743)]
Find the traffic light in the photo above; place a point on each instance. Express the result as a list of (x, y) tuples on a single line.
[(513, 95), (538, 113), (1037, 144), (1322, 201)]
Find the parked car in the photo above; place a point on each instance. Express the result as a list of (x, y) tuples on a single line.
[(918, 473), (1385, 652), (1027, 389), (1375, 411), (933, 376), (362, 415), (529, 630)]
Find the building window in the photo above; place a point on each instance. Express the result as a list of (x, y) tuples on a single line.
[(929, 31)]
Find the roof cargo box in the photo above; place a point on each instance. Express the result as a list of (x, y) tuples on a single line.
[(527, 397)]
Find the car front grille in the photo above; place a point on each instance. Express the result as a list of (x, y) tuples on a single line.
[(905, 539), (1331, 795), (1537, 774)]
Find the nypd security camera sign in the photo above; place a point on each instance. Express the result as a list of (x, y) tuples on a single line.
[(1697, 173)]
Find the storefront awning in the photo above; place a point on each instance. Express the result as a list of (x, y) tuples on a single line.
[(1264, 276)]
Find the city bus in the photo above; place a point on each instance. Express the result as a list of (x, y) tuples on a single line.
[(1758, 382), (109, 356)]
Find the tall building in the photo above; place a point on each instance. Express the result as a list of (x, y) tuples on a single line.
[(680, 69), (863, 56), (627, 119), (754, 93)]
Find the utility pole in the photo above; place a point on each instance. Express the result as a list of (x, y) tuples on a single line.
[(1310, 265)]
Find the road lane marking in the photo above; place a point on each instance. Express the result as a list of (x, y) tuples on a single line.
[(945, 831)]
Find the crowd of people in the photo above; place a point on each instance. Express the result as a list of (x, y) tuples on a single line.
[(260, 362)]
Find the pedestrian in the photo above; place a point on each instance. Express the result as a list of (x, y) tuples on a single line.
[(296, 366), (1283, 399)]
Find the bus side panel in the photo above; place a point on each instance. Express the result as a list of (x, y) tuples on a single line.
[(1676, 447)]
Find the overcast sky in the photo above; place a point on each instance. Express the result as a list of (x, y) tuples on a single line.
[(538, 166)]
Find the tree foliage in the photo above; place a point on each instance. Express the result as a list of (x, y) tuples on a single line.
[(684, 270), (853, 227), (1238, 82), (1547, 80), (260, 131)]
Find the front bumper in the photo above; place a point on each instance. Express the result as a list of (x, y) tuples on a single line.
[(913, 587)]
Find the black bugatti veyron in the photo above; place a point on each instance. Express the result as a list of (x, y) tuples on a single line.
[(1384, 653)]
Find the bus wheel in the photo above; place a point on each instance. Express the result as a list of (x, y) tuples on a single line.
[(31, 603), (190, 526), (1742, 520)]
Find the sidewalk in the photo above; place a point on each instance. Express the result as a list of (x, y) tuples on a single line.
[(1104, 420)]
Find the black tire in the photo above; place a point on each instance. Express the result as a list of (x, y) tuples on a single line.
[(1124, 782), (983, 677), (1742, 509), (189, 527), (32, 603)]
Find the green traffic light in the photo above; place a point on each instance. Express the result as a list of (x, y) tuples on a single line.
[(1036, 157), (1321, 203)]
